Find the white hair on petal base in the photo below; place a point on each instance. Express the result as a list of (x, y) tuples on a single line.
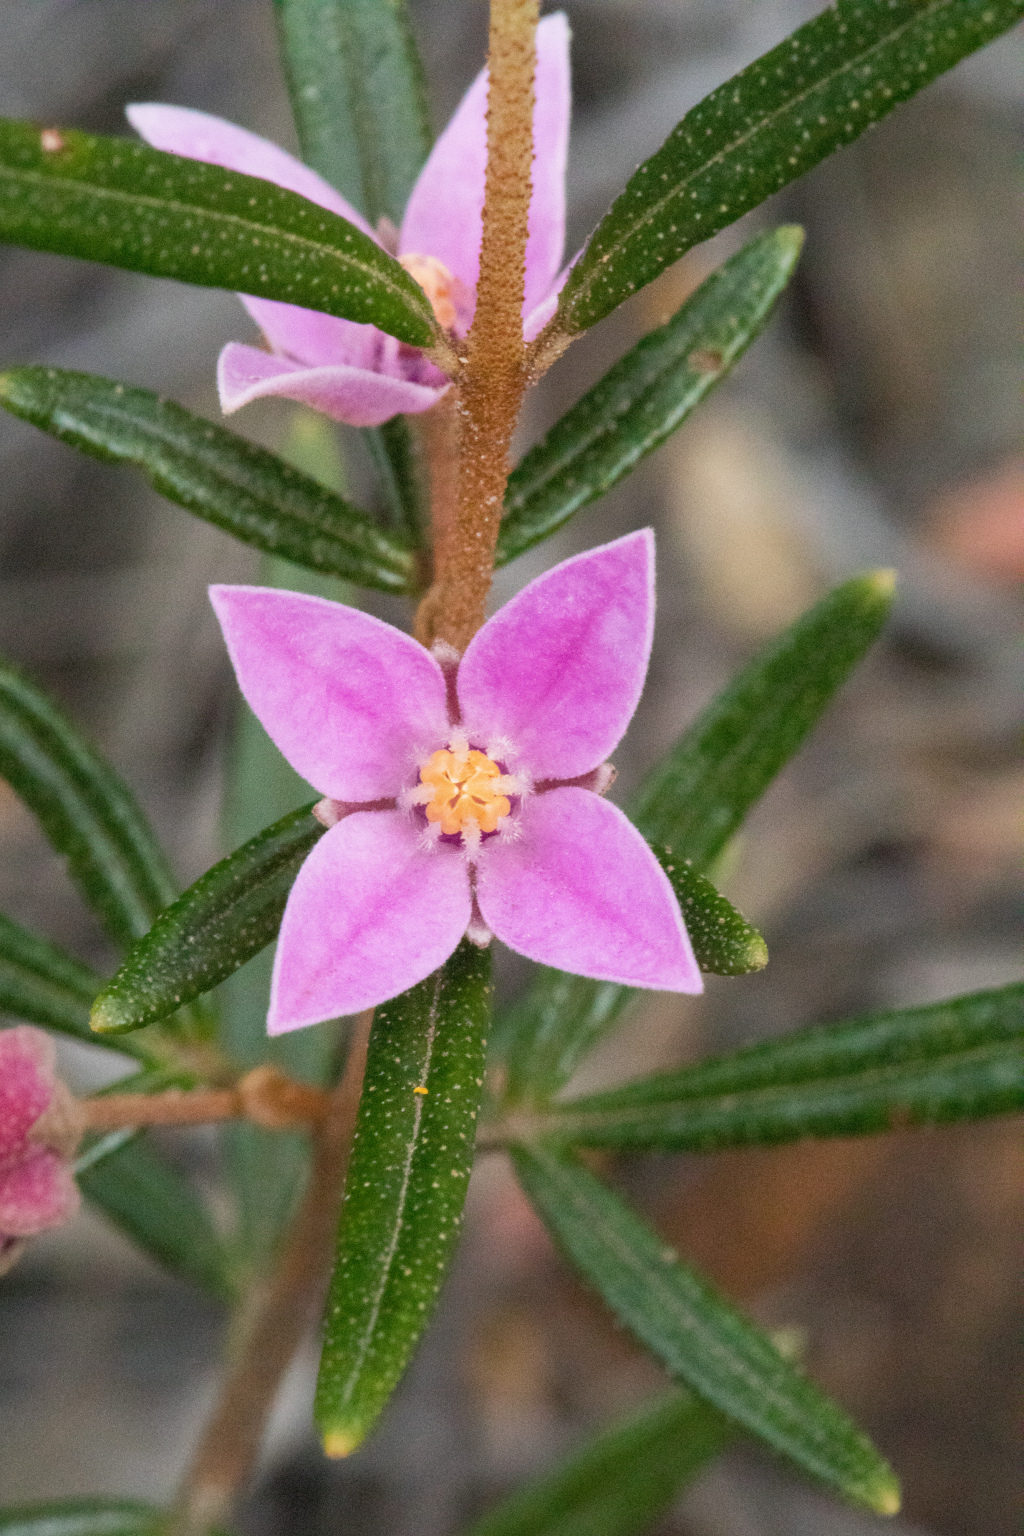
[(478, 932), (430, 836)]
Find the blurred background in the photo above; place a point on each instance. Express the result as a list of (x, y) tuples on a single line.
[(877, 422)]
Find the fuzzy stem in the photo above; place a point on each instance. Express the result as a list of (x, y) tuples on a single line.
[(280, 1316), (490, 389), (265, 1096)]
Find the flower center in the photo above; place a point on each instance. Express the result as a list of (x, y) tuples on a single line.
[(466, 791), (437, 283)]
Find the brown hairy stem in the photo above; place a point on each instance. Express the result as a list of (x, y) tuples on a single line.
[(279, 1315), (490, 389), (265, 1096)]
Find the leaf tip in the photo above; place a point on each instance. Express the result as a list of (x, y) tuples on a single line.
[(107, 1018), (883, 582), (755, 955), (339, 1443), (884, 1496), (793, 236)]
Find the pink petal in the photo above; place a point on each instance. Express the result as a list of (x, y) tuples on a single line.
[(443, 217), (553, 89), (359, 396), (581, 890), (443, 214), (371, 913), (38, 1192), (558, 671), (536, 319), (312, 338), (200, 136), (353, 704), (27, 1058)]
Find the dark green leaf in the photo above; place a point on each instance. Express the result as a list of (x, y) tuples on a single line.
[(229, 915), (88, 814), (358, 96), (816, 91), (723, 941), (623, 1481), (411, 1161), (219, 476), (700, 792), (42, 983), (696, 799), (159, 1210), (959, 1060), (647, 395), (121, 202), (82, 1517), (543, 1037), (700, 1337)]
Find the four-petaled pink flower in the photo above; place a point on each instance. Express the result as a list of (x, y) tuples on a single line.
[(356, 373), (38, 1135), (460, 795)]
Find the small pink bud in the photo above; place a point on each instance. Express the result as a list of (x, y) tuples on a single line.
[(40, 1129)]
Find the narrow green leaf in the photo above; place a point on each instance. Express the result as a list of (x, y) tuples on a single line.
[(229, 915), (812, 94), (648, 394), (41, 983), (700, 1337), (411, 1161), (623, 1481), (959, 1060), (219, 476), (700, 792), (82, 1517), (121, 202), (542, 1038), (359, 97), (723, 941), (88, 814), (696, 799), (158, 1209)]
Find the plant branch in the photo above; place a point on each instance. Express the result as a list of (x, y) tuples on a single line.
[(279, 1317), (490, 389), (265, 1096)]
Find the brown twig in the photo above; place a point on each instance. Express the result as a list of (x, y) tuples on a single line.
[(279, 1317), (265, 1096), (490, 390)]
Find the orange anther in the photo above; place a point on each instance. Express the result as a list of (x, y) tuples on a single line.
[(467, 791), (437, 283)]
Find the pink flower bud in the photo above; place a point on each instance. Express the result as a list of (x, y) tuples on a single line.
[(39, 1131)]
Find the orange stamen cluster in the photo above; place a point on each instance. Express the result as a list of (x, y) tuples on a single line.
[(437, 283), (467, 791)]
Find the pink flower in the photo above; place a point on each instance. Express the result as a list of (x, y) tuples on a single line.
[(38, 1136), (460, 795), (356, 373)]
